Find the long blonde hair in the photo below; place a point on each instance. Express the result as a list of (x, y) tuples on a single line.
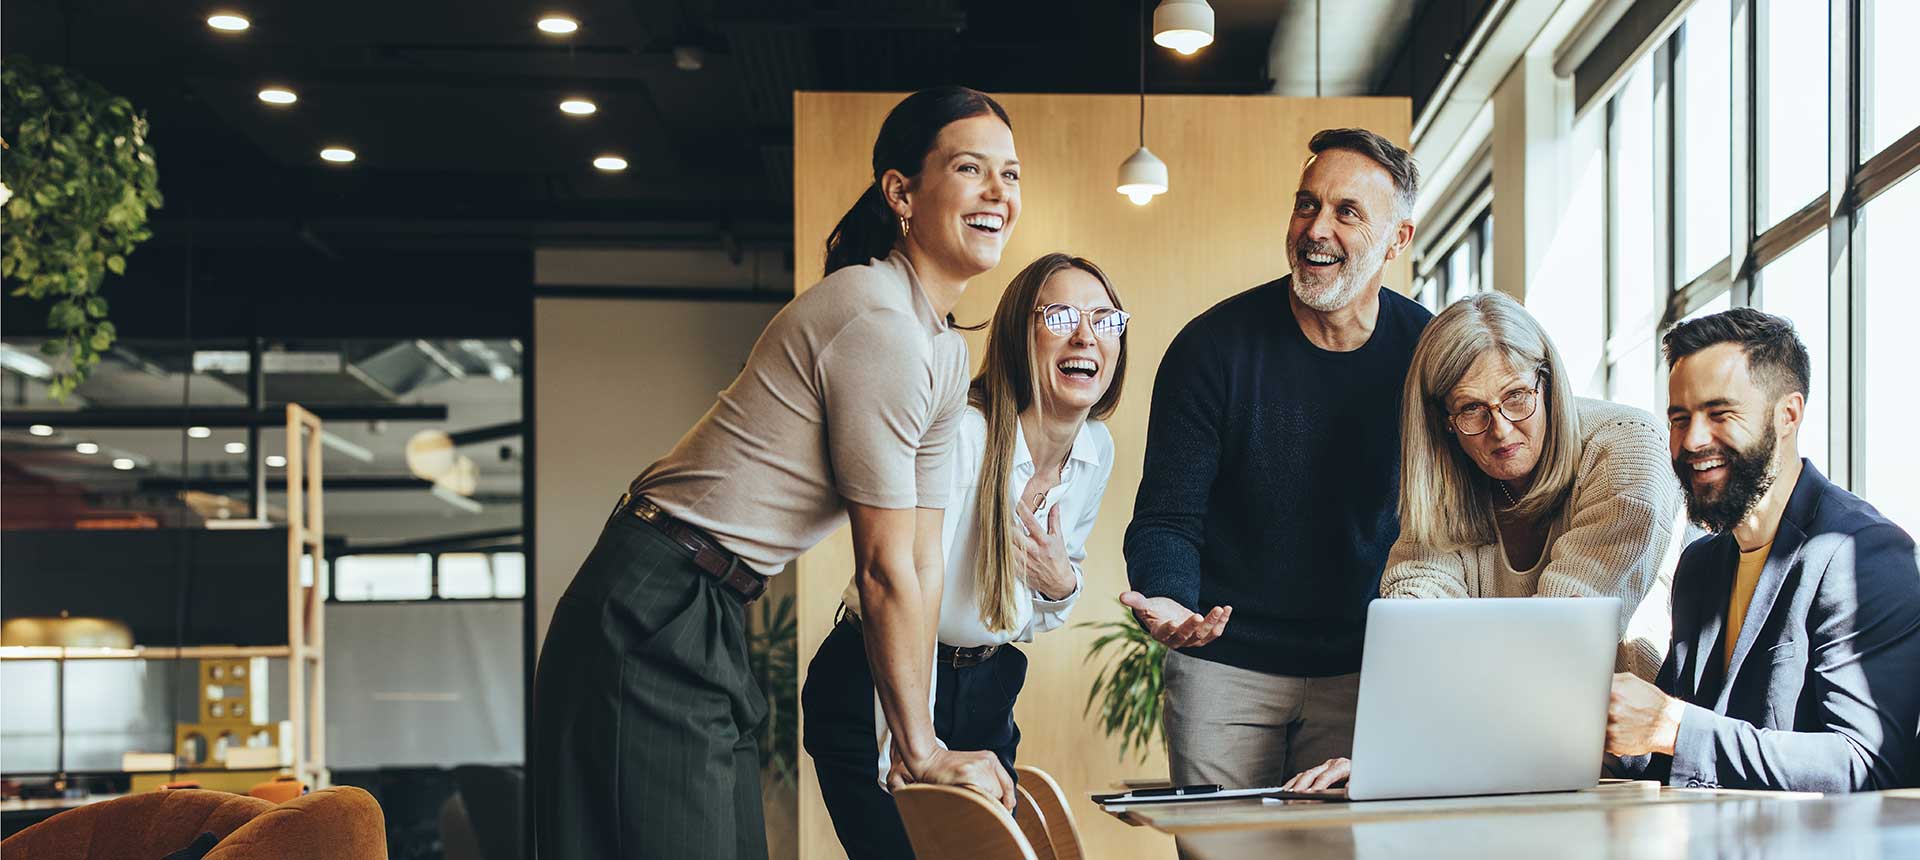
[(1005, 388), (1444, 499)]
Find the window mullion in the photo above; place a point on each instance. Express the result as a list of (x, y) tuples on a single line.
[(1846, 305), (1743, 154)]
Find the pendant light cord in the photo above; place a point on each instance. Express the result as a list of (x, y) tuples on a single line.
[(1143, 74), (1316, 49)]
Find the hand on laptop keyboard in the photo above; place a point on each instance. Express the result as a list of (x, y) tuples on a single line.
[(1328, 775)]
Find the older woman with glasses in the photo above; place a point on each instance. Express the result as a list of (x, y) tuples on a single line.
[(1031, 461), (1512, 487)]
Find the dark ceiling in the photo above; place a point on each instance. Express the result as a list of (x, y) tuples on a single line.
[(465, 162)]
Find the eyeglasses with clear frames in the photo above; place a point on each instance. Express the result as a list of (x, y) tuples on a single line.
[(1064, 319), (1516, 407)]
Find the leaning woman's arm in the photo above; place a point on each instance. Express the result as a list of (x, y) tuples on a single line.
[(889, 449), (1622, 531), (1418, 571), (899, 602)]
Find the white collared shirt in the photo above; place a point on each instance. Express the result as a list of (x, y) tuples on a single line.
[(1082, 483)]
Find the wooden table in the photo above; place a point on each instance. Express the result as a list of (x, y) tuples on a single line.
[(1631, 820)]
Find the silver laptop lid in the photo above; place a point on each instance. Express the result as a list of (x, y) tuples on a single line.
[(1483, 696)]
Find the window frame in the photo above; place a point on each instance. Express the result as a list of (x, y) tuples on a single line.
[(1854, 179)]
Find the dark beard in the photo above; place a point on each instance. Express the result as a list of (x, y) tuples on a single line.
[(1750, 474)]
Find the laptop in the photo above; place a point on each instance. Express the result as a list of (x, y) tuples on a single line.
[(1483, 696)]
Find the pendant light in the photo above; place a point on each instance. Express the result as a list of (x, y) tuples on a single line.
[(1183, 25), (1143, 175)]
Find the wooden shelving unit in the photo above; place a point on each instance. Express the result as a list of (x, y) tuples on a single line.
[(191, 652), (306, 622)]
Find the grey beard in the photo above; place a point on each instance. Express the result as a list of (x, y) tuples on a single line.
[(1352, 281)]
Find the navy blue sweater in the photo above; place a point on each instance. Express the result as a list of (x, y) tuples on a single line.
[(1272, 479)]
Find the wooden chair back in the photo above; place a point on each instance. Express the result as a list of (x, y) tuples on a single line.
[(1051, 800), (948, 823), (1033, 824)]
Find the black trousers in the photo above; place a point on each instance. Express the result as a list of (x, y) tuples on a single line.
[(973, 710), (645, 711)]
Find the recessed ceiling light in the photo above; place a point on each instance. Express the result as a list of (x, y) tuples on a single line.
[(236, 447), (228, 22), (199, 432), (578, 107), (123, 464), (275, 461), (87, 448), (338, 154), (278, 96), (44, 430), (558, 25), (610, 163)]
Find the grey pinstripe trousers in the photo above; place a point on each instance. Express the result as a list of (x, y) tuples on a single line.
[(645, 711)]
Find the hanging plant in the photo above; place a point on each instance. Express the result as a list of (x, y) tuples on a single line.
[(80, 179)]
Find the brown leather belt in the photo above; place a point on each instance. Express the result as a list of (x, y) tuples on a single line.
[(707, 555), (950, 655)]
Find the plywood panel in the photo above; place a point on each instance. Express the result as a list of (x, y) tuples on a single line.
[(1234, 163)]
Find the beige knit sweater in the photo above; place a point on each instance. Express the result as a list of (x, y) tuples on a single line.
[(1619, 535)]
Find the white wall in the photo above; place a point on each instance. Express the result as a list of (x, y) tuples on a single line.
[(616, 383)]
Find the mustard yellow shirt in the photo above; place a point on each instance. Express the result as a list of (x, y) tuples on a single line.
[(1744, 580)]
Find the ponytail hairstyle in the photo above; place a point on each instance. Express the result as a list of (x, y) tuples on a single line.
[(869, 230), (1004, 389)]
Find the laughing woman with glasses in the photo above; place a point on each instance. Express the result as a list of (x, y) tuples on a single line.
[(1512, 487), (1031, 461)]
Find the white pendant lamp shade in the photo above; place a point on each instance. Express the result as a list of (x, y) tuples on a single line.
[(1183, 25), (1142, 176)]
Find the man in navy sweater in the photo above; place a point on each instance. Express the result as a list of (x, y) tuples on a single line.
[(1271, 483)]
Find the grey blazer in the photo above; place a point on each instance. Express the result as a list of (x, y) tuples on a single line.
[(1823, 691)]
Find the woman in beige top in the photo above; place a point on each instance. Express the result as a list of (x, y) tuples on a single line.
[(1512, 487), (645, 708)]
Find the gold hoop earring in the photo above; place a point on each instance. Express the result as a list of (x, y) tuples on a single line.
[(906, 226)]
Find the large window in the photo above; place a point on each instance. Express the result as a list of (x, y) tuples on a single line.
[(1634, 299), (1892, 460), (1723, 172), (1796, 287), (1464, 268), (1792, 85), (1704, 137), (1890, 71)]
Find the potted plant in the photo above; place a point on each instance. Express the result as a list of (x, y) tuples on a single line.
[(1127, 689), (79, 179)]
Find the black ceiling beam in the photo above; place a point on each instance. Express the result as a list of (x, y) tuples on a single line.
[(331, 483), (463, 539), (848, 19), (212, 416), (509, 430)]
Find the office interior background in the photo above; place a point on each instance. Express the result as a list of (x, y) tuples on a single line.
[(506, 268)]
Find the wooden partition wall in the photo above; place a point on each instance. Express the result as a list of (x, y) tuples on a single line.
[(1234, 162)]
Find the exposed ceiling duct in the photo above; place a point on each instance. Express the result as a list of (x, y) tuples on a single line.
[(1356, 41)]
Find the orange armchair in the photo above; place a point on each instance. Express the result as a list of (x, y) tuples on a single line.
[(339, 823)]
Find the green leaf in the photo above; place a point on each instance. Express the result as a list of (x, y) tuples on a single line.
[(84, 179)]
